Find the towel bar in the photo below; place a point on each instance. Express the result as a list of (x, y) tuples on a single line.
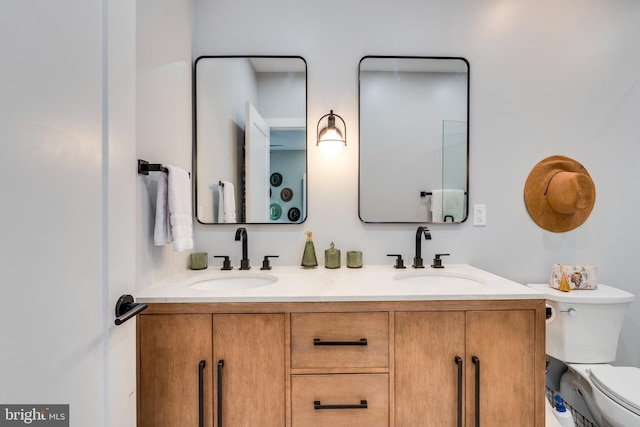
[(145, 167), (126, 309), (429, 193)]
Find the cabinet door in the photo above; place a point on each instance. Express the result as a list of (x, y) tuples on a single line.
[(500, 357), (428, 382), (252, 375), (171, 348)]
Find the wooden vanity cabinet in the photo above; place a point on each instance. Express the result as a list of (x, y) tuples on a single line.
[(447, 363), (425, 363), (242, 380)]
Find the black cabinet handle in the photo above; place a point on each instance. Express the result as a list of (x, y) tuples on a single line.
[(476, 362), (317, 405), (318, 341), (458, 360), (201, 393), (220, 366)]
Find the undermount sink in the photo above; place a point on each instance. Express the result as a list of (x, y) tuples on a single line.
[(233, 281), (441, 278)]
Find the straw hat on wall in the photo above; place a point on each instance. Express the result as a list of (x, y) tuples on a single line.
[(559, 194)]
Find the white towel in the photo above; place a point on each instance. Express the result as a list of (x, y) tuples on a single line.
[(162, 230), (446, 204), (180, 213), (174, 218), (226, 202)]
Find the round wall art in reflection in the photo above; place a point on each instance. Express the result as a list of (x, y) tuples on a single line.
[(286, 194), (275, 211), (293, 214), (276, 179)]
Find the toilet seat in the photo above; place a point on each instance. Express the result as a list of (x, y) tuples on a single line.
[(620, 384)]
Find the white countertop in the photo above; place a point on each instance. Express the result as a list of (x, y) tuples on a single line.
[(370, 283)]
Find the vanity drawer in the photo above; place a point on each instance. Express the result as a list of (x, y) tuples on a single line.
[(340, 340), (340, 400)]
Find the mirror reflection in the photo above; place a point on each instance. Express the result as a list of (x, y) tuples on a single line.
[(250, 153), (414, 137)]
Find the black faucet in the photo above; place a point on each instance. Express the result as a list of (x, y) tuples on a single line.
[(417, 261), (241, 233)]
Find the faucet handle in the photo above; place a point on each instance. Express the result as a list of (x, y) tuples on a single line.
[(399, 261), (265, 262), (437, 262), (226, 264)]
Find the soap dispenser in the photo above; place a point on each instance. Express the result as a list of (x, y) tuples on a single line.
[(309, 259), (564, 417), (332, 257)]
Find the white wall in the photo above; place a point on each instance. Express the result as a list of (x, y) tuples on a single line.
[(402, 119), (282, 96), (546, 78), (163, 119), (221, 110), (66, 150)]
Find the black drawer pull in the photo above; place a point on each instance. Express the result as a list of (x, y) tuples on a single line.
[(201, 367), (458, 361), (318, 341), (220, 366), (476, 361), (317, 405)]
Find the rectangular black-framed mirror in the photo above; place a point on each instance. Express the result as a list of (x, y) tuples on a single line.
[(414, 139), (250, 151)]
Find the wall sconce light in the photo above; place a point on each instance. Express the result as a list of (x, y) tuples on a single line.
[(331, 140)]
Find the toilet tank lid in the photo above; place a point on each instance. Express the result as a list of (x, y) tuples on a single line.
[(622, 384), (602, 295)]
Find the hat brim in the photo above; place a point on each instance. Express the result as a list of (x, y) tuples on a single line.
[(534, 195)]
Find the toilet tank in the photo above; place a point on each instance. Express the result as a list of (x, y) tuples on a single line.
[(583, 326)]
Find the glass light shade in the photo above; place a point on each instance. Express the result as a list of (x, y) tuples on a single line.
[(331, 140)]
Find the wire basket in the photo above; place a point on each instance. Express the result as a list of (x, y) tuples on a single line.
[(579, 419)]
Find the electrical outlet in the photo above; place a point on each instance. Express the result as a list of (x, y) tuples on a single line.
[(479, 215)]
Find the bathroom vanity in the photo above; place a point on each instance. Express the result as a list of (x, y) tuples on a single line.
[(367, 347)]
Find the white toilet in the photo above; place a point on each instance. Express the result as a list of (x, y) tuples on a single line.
[(583, 327)]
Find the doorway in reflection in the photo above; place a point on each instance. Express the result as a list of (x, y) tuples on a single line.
[(288, 175)]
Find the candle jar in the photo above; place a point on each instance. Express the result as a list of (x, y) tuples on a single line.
[(332, 257), (198, 261), (354, 259)]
